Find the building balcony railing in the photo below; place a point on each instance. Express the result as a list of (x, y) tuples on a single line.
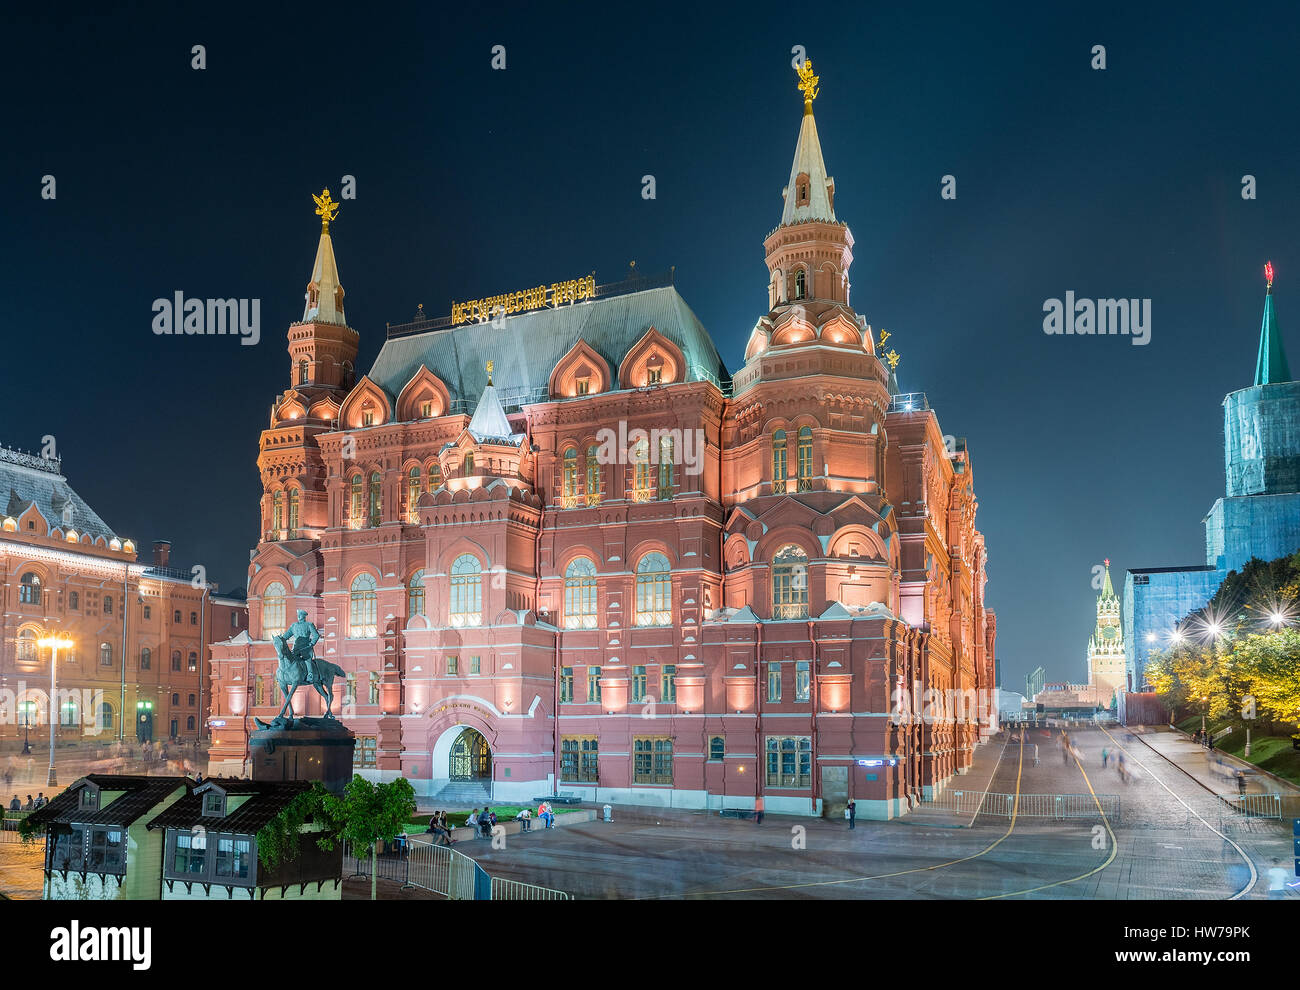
[(909, 402), (790, 610)]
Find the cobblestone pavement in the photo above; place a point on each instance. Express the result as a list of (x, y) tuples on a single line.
[(1171, 840)]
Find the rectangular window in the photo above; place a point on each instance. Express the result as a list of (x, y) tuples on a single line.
[(652, 760), (107, 851), (638, 684), (194, 618), (73, 601), (453, 665), (717, 748), (566, 685), (789, 761), (593, 684), (367, 747), (773, 682), (669, 684), (233, 857), (802, 680), (579, 759), (148, 612), (213, 803), (108, 604), (191, 853), (474, 666)]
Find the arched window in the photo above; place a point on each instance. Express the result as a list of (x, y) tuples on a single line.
[(435, 476), (666, 455), (790, 583), (68, 712), (593, 475), (415, 594), (779, 465), (376, 499), (374, 689), (273, 622), (569, 491), (176, 660), (412, 494), (466, 591), (29, 589), (294, 497), (805, 465), (304, 372), (580, 594), (146, 658), (654, 586), (362, 616), (355, 504), (106, 654), (189, 723), (105, 716), (277, 514), (800, 284), (26, 646), (641, 470), (259, 691), (349, 374)]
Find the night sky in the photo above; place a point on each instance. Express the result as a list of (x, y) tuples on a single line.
[(1123, 182)]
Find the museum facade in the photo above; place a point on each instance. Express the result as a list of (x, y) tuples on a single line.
[(557, 547)]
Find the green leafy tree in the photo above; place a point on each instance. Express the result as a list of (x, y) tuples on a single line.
[(279, 839), (369, 813), (1271, 662)]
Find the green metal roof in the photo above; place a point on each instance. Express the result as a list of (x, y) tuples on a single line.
[(1271, 367)]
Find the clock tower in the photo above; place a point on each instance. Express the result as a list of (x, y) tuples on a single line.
[(1106, 647)]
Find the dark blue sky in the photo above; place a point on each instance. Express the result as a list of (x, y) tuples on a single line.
[(1123, 182)]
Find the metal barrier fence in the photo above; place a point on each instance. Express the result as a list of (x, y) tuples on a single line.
[(9, 825), (1254, 805), (442, 870), (1053, 806)]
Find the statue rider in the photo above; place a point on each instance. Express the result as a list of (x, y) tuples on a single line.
[(305, 636)]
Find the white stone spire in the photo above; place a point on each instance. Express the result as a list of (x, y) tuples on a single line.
[(811, 192), (324, 292)]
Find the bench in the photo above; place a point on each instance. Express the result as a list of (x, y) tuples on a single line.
[(569, 798), (736, 813)]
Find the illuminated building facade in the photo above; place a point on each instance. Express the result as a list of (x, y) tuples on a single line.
[(565, 550), (137, 668)]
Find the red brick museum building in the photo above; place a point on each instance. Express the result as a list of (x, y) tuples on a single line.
[(558, 547)]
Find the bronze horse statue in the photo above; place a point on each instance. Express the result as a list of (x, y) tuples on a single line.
[(293, 673)]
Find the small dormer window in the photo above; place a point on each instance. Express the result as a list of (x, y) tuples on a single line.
[(426, 410), (214, 805), (469, 465), (584, 386), (654, 375), (89, 799), (367, 418)]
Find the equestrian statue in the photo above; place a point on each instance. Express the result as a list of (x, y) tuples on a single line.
[(299, 666)]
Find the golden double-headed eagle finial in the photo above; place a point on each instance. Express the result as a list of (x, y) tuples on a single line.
[(326, 209), (807, 84), (892, 357), (489, 371)]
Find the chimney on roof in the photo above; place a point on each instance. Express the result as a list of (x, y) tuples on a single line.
[(162, 552)]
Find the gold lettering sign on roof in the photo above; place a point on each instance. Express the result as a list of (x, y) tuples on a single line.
[(538, 297)]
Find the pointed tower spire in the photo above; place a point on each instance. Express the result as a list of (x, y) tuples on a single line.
[(1270, 366), (1107, 589), (324, 293), (810, 194)]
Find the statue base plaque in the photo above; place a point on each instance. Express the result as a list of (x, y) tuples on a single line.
[(303, 749)]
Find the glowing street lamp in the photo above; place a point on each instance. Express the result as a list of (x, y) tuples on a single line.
[(54, 641)]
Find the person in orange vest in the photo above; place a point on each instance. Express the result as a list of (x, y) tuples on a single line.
[(758, 810)]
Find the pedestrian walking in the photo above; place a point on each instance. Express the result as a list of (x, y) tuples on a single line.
[(758, 810), (851, 813), (1277, 878), (1241, 783), (1105, 756), (1035, 754)]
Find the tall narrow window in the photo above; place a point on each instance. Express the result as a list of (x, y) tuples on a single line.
[(668, 684), (583, 386), (800, 284), (363, 611), (580, 594), (569, 489), (26, 647), (779, 466), (355, 502), (790, 583), (641, 471), (106, 654), (467, 465), (29, 589), (108, 604), (373, 695), (193, 662), (666, 455), (593, 475), (466, 591), (304, 372), (376, 499), (350, 691), (435, 476), (259, 691), (566, 685), (176, 661), (593, 684), (277, 514), (273, 620), (412, 495), (638, 683), (802, 681), (654, 587), (773, 682), (146, 658), (426, 409), (294, 497), (805, 459), (415, 595)]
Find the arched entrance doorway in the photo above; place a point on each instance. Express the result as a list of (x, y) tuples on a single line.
[(470, 759)]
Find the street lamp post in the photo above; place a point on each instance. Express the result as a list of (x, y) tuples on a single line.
[(53, 641)]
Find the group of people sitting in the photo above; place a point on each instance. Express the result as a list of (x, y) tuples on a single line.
[(486, 820), (40, 802)]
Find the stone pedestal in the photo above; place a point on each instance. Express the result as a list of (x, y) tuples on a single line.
[(303, 749)]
